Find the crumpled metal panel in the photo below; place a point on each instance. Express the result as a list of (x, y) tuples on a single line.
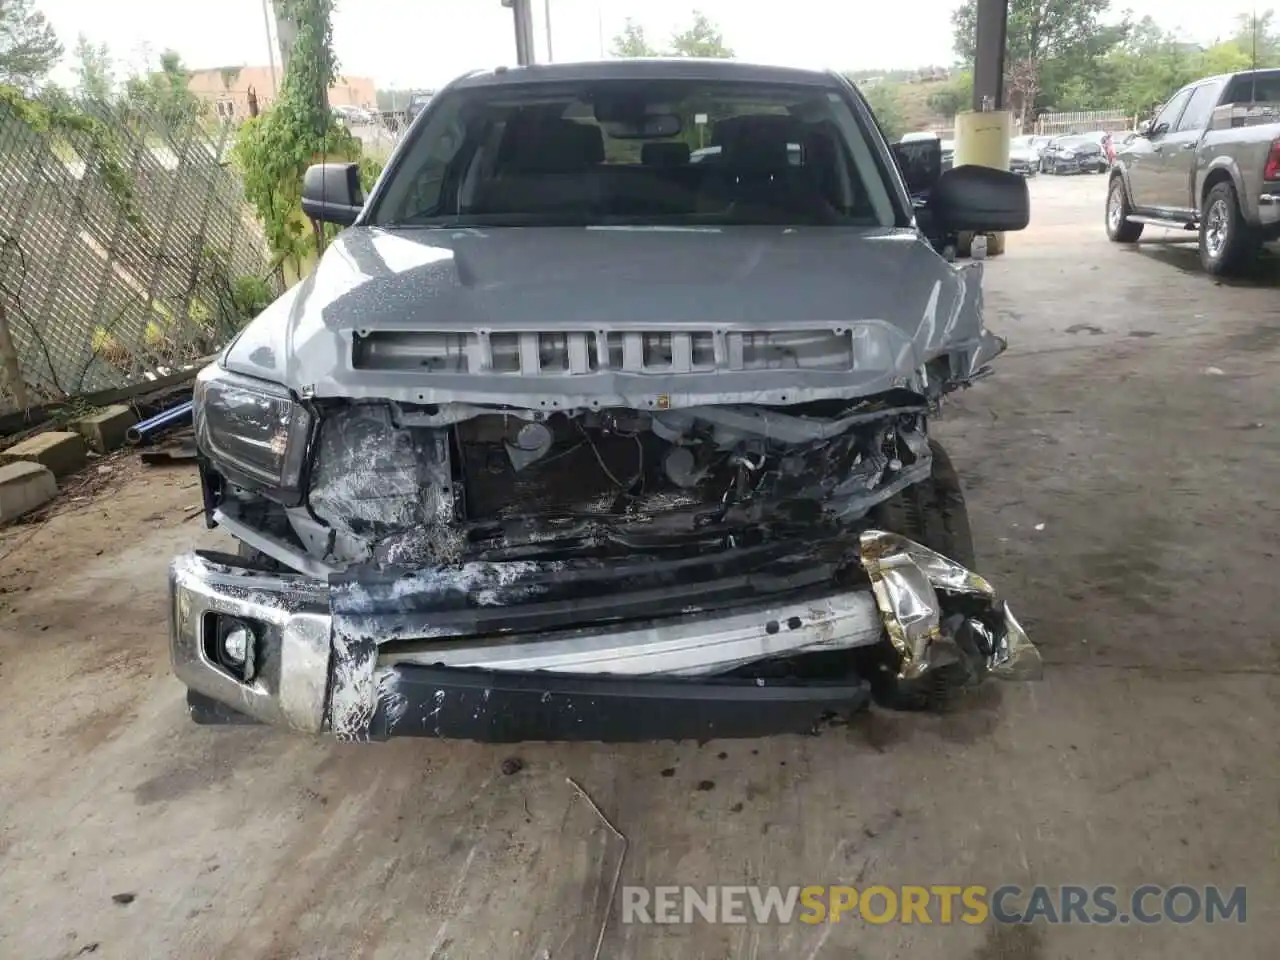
[(793, 315), (926, 601)]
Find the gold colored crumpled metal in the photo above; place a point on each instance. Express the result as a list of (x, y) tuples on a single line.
[(922, 595)]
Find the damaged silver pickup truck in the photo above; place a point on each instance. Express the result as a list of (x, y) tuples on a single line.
[(569, 437)]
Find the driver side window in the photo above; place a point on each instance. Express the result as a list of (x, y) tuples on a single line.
[(1167, 118)]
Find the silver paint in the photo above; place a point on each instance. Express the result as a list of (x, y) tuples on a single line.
[(883, 294)]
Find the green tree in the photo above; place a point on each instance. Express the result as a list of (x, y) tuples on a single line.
[(274, 150), (29, 48), (953, 98), (701, 39), (1255, 34), (883, 98), (95, 71), (632, 43), (1049, 43), (164, 97)]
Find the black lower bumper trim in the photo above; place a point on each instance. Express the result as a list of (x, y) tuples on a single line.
[(207, 711), (512, 707)]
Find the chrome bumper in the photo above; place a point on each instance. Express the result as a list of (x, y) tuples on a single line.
[(294, 646), (1269, 209)]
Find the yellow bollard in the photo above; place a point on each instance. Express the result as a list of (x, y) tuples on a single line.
[(982, 139)]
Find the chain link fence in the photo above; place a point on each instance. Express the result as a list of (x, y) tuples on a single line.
[(126, 248)]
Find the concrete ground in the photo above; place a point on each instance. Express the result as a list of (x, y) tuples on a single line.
[(1122, 475)]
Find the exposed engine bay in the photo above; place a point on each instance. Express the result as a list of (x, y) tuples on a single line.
[(442, 485)]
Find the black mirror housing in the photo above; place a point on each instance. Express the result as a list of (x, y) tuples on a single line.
[(920, 162), (980, 200), (331, 193)]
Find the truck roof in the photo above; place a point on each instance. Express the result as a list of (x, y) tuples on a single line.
[(658, 68)]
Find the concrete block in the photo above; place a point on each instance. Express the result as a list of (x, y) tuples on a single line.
[(62, 453), (23, 487), (104, 431)]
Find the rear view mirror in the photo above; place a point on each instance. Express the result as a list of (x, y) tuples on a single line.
[(643, 128), (331, 193), (980, 200), (921, 164)]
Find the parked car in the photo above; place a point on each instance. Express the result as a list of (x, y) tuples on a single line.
[(1209, 161), (1075, 153), (417, 101), (551, 448), (1024, 158)]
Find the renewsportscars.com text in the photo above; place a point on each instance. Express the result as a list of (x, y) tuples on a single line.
[(935, 904)]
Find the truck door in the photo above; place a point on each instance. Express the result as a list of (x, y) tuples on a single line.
[(1177, 172), (1145, 156)]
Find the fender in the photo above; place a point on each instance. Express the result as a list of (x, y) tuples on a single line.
[(1210, 171)]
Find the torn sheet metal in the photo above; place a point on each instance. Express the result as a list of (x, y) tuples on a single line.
[(927, 603)]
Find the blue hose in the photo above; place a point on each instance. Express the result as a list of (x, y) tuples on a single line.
[(152, 426)]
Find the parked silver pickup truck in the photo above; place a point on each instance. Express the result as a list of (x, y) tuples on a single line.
[(1208, 161), (565, 439)]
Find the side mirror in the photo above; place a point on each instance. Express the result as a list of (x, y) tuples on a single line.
[(920, 162), (980, 200), (331, 193)]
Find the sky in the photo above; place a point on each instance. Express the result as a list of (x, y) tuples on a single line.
[(424, 43)]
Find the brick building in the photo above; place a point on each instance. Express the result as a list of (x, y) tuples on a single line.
[(227, 88)]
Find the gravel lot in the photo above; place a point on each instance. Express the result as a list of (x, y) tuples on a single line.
[(1122, 475)]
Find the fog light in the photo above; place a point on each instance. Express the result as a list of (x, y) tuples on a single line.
[(236, 644), (231, 643)]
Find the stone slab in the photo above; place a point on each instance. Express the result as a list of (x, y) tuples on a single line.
[(61, 452), (105, 430), (23, 487)]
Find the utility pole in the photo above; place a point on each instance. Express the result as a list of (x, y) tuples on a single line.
[(286, 34), (522, 14), (546, 6), (271, 50), (989, 54)]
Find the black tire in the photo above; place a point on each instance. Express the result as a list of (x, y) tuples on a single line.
[(932, 513), (1228, 244), (1119, 228)]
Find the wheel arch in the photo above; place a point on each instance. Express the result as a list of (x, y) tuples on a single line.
[(1118, 172), (1220, 170)]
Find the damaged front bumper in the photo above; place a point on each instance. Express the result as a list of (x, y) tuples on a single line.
[(294, 651)]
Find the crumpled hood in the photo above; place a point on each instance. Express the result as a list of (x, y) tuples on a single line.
[(911, 304)]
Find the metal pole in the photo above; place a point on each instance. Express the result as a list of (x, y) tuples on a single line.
[(600, 25), (989, 54), (522, 13), (546, 6), (271, 51)]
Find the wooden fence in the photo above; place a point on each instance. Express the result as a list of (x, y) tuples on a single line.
[(1083, 121), (126, 247)]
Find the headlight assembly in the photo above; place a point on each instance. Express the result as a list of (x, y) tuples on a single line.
[(253, 429)]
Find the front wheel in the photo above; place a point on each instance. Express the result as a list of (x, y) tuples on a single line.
[(932, 513), (1119, 228), (1228, 244)]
